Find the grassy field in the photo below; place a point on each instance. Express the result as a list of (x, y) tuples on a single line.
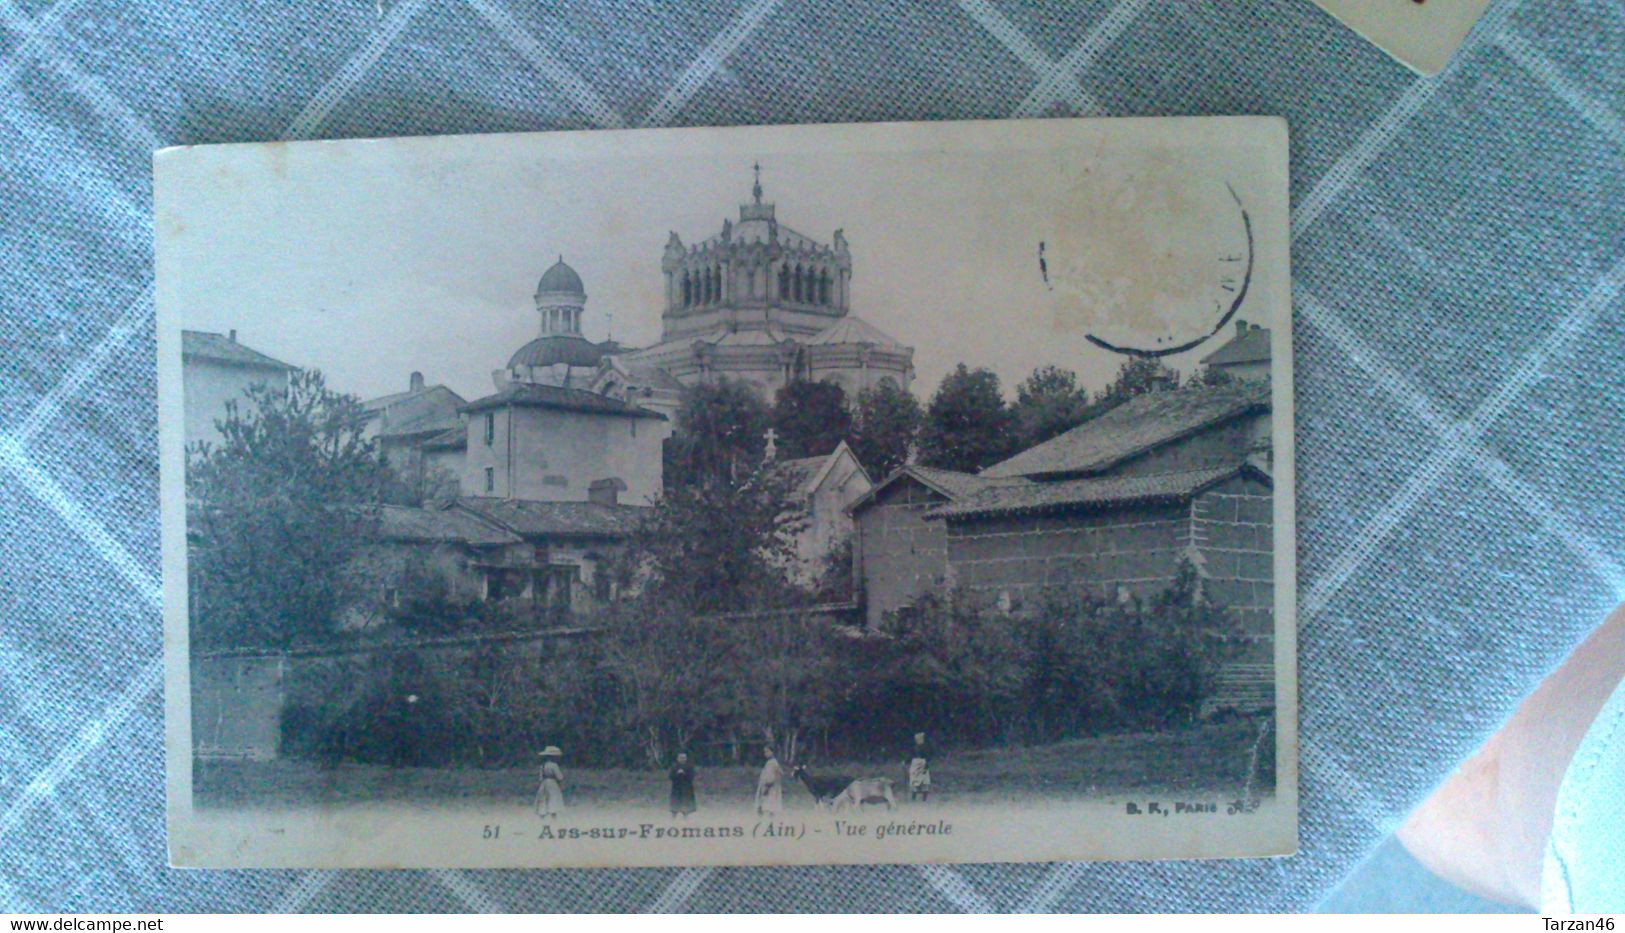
[(1211, 759)]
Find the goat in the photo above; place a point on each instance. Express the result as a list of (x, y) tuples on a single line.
[(840, 792), (823, 789)]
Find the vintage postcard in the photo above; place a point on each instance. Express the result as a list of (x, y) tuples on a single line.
[(756, 496), (1422, 34)]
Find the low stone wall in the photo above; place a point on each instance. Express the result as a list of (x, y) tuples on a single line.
[(239, 697)]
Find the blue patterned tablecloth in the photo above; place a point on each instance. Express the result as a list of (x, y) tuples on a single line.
[(1459, 256)]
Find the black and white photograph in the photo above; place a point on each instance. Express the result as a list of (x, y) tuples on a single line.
[(782, 495)]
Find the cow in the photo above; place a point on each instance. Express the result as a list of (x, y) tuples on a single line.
[(866, 790), (840, 792)]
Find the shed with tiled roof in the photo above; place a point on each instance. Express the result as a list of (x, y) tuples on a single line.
[(1162, 431)]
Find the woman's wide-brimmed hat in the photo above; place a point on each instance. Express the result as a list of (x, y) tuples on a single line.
[(552, 751)]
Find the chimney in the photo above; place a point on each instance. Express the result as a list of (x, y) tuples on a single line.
[(1163, 381), (417, 382), (606, 491), (232, 335), (1241, 327)]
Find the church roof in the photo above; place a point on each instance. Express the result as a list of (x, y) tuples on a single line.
[(572, 349), (1093, 492), (560, 278), (851, 329), (537, 395), (533, 519), (218, 348), (1251, 344), (1136, 426), (439, 526)]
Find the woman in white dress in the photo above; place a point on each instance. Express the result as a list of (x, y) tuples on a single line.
[(550, 795)]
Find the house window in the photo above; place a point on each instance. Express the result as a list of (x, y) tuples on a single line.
[(496, 588), (490, 480), (553, 587), (490, 428)]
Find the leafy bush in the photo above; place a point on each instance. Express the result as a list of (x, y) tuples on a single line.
[(659, 679)]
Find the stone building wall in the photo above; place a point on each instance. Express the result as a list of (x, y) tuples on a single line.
[(1232, 528), (900, 555), (206, 387), (1134, 550), (555, 456)]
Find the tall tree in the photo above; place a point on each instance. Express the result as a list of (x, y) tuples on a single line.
[(719, 435), (967, 426), (885, 425), (1211, 376), (811, 418), (1049, 402), (276, 511), (722, 545), (1137, 376)]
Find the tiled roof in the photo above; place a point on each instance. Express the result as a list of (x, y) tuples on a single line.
[(449, 439), (950, 483), (1136, 426), (956, 485), (1092, 492), (537, 395), (219, 348), (1251, 345), (533, 519), (440, 526), (420, 412)]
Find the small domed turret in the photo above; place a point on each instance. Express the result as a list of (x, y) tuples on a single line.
[(561, 278), (560, 298)]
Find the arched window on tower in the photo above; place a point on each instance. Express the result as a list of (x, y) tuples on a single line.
[(688, 289), (823, 287), (716, 284), (798, 283), (705, 276), (784, 282)]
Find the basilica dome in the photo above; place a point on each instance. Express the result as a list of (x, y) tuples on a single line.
[(560, 278), (552, 349)]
